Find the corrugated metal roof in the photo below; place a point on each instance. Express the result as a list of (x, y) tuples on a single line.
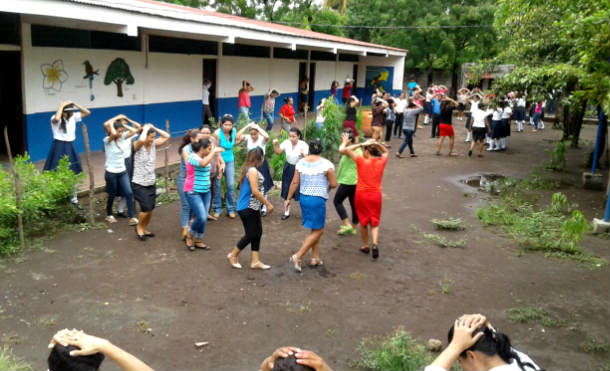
[(176, 11)]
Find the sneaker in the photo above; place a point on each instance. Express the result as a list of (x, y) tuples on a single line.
[(121, 214), (110, 219), (133, 221)]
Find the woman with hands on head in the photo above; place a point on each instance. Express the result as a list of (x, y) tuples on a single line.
[(478, 346), (295, 150), (257, 138), (73, 350), (286, 358)]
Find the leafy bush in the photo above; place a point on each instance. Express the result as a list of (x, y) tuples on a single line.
[(44, 200), (330, 133), (558, 157), (398, 351)]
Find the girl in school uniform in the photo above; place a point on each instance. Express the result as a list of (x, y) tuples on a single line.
[(505, 119), (496, 129), (63, 125), (295, 150), (127, 146), (519, 114)]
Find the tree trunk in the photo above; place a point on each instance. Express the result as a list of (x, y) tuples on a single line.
[(573, 123), (430, 77), (119, 88), (454, 82)]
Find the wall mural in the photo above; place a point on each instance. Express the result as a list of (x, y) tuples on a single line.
[(53, 75), (379, 78), (90, 74), (118, 73)]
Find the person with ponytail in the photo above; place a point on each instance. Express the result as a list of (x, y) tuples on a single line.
[(249, 203), (478, 346), (63, 125), (184, 151)]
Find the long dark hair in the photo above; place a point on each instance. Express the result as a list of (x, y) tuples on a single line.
[(494, 343), (62, 124), (186, 139), (201, 143), (253, 158)]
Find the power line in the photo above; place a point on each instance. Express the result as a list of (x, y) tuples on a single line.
[(389, 27)]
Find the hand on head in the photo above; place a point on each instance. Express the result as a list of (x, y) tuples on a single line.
[(87, 344), (463, 329)]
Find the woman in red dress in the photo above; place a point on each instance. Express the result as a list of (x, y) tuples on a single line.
[(368, 189)]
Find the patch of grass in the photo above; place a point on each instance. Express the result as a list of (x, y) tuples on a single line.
[(331, 332), (532, 314), (47, 321), (11, 338), (356, 276), (450, 224), (443, 242), (144, 327), (397, 351), (556, 229), (8, 361), (445, 286), (594, 345)]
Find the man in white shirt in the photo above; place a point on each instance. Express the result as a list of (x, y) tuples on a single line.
[(205, 99), (399, 109)]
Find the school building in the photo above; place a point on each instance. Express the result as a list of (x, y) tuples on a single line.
[(148, 59)]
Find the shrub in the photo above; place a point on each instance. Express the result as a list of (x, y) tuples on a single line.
[(558, 157), (398, 351), (44, 200)]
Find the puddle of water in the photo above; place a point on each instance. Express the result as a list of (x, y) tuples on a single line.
[(484, 182)]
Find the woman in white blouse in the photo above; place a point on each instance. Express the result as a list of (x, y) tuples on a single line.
[(295, 150)]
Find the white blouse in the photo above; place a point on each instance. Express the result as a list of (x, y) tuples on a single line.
[(70, 134), (293, 155)]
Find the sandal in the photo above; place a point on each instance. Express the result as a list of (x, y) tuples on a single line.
[(315, 262), (452, 154), (233, 261), (375, 253), (260, 265), (201, 245), (188, 240), (297, 263), (212, 217), (141, 237), (365, 250)]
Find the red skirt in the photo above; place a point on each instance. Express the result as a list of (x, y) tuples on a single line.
[(445, 130), (368, 207)]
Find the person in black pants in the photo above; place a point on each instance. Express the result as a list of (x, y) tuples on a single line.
[(436, 111), (347, 177), (390, 118)]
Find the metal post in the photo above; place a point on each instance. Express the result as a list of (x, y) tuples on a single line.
[(167, 162), (17, 190)]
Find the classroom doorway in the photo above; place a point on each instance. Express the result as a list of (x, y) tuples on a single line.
[(306, 89), (355, 78), (11, 103), (209, 74)]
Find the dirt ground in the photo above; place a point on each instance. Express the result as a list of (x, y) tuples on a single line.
[(156, 299)]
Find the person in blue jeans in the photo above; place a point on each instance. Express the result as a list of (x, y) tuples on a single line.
[(197, 187), (184, 151), (116, 176), (226, 137), (269, 107), (408, 127)]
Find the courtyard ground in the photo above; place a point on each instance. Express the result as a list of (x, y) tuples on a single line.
[(156, 299)]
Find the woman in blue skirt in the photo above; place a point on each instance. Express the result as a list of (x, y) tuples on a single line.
[(63, 125), (314, 176)]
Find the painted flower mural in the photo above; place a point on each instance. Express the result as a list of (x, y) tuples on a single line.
[(53, 75)]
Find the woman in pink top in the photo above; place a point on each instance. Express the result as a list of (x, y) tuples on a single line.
[(243, 99)]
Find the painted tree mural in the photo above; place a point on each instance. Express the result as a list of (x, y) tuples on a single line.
[(118, 73)]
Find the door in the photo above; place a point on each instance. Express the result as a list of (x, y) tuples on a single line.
[(355, 78), (302, 99), (209, 73), (312, 87), (10, 103)]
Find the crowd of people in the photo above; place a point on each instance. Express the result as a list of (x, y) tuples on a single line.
[(207, 162), (472, 341)]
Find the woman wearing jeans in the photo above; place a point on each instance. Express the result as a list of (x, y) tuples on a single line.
[(409, 124), (117, 178), (249, 204), (184, 150), (197, 188), (225, 136)]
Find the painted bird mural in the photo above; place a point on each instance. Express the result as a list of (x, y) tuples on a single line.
[(89, 74), (377, 82)]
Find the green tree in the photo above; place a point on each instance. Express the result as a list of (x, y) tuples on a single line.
[(560, 49), (444, 34), (118, 72)]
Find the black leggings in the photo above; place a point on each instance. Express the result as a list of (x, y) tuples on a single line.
[(345, 191), (388, 130), (398, 124), (253, 228)]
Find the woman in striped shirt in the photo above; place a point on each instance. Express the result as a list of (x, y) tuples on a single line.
[(197, 188)]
